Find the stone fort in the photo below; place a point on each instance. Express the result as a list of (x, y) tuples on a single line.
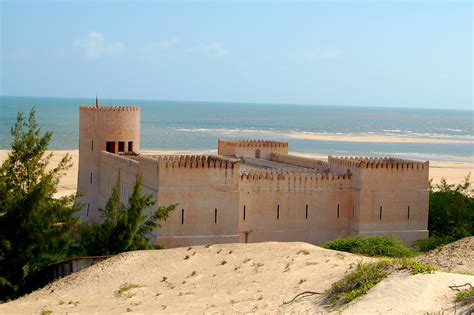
[(252, 190)]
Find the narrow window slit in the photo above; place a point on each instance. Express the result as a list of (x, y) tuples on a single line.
[(338, 211), (215, 215), (306, 214), (91, 177), (278, 212), (408, 214), (244, 213), (380, 215), (182, 216)]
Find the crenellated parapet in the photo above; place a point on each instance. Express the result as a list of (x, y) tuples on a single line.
[(255, 143), (281, 174), (377, 162), (193, 161), (299, 161), (110, 108)]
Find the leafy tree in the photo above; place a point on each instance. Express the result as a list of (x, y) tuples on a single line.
[(124, 228), (35, 227), (451, 212)]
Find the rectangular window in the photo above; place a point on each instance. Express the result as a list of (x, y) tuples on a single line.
[(92, 145), (110, 146), (182, 216), (130, 146), (121, 146), (215, 215), (278, 212), (338, 211), (380, 214), (244, 213), (91, 177), (306, 214), (408, 214)]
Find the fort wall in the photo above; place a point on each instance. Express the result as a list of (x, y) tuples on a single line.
[(289, 206), (261, 149), (390, 196), (206, 189), (301, 161)]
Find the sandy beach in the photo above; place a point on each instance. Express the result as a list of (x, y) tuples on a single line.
[(454, 171), (374, 138)]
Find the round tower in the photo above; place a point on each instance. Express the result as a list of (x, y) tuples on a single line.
[(115, 129)]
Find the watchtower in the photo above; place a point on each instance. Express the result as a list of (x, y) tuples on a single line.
[(115, 129)]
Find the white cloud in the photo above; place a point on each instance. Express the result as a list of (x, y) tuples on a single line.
[(319, 54), (94, 46), (213, 49), (168, 43)]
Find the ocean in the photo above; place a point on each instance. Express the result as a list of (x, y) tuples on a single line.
[(195, 126)]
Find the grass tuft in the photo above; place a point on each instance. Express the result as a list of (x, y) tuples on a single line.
[(358, 282), (414, 266), (124, 288), (304, 252), (375, 246), (465, 296)]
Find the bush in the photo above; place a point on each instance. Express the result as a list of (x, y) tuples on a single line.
[(432, 243), (357, 282), (375, 246)]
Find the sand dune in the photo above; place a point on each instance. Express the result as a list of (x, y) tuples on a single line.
[(229, 278)]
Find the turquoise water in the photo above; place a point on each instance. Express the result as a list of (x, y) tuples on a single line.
[(187, 126)]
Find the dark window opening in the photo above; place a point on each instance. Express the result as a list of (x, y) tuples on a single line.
[(121, 146), (130, 146), (182, 216), (408, 214), (306, 214), (244, 213), (278, 212), (92, 145), (338, 211), (91, 177), (380, 214), (110, 146), (88, 205), (215, 215)]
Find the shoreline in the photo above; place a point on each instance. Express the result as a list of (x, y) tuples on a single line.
[(453, 171), (374, 138)]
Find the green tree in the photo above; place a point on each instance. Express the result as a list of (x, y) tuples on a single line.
[(35, 227), (451, 213), (124, 228)]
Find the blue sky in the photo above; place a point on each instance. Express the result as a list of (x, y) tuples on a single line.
[(397, 54)]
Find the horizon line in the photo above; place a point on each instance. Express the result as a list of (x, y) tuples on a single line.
[(248, 103)]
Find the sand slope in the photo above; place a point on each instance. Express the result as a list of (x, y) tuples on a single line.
[(229, 278)]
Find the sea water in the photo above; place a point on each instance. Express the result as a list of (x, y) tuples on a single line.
[(196, 126)]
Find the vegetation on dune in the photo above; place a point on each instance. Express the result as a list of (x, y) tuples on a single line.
[(367, 275), (374, 246), (451, 214), (36, 229), (124, 228)]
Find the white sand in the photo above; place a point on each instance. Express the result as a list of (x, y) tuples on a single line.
[(383, 139), (231, 278)]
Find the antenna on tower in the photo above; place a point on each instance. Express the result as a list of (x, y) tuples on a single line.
[(110, 87)]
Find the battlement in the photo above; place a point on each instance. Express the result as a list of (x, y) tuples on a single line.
[(277, 174), (255, 143), (193, 161), (377, 162), (299, 161), (110, 108)]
